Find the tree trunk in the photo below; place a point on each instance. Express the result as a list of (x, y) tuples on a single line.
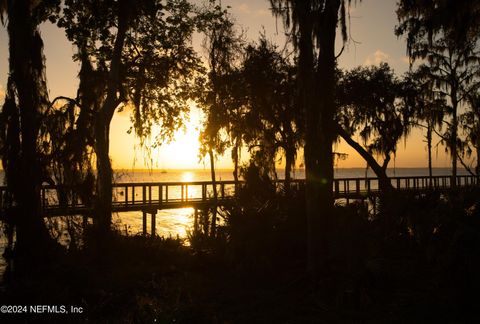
[(306, 89), (103, 201), (236, 160), (386, 189), (235, 156), (318, 102), (289, 162), (26, 82), (215, 194), (383, 180), (453, 144), (477, 149), (429, 148)]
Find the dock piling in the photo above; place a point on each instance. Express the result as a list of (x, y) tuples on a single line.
[(154, 223), (144, 223)]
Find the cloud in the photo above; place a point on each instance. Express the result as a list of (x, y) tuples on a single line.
[(245, 9), (377, 58), (263, 13)]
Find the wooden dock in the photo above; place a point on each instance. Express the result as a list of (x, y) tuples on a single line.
[(149, 197)]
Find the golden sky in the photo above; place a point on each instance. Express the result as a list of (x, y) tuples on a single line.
[(373, 41)]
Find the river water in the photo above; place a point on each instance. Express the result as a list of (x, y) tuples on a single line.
[(177, 222)]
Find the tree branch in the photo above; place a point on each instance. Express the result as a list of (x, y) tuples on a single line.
[(71, 100), (465, 165)]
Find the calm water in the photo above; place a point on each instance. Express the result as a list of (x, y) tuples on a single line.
[(177, 222)]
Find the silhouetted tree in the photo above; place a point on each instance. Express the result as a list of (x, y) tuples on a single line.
[(445, 35), (273, 118), (423, 21), (25, 102), (66, 149), (222, 45), (470, 123), (314, 25), (429, 107), (132, 54), (372, 104)]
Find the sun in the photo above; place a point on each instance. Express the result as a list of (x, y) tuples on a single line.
[(183, 152)]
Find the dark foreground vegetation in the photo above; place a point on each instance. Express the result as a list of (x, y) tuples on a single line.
[(291, 257), (416, 261)]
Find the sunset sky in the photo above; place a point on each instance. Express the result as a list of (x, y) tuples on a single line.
[(372, 23)]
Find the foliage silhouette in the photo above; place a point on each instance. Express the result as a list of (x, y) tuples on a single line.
[(451, 54), (372, 102), (313, 29), (429, 107), (26, 100), (221, 43), (470, 123), (133, 54), (273, 119)]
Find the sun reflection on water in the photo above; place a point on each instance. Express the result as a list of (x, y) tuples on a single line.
[(169, 223), (175, 222), (187, 176)]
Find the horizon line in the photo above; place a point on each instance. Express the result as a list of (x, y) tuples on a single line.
[(279, 169)]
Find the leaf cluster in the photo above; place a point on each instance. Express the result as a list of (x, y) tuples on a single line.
[(310, 12), (374, 104), (423, 21), (40, 11), (444, 35), (273, 118), (219, 91), (158, 65), (65, 144)]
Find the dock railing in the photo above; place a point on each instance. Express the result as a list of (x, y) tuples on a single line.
[(165, 195)]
